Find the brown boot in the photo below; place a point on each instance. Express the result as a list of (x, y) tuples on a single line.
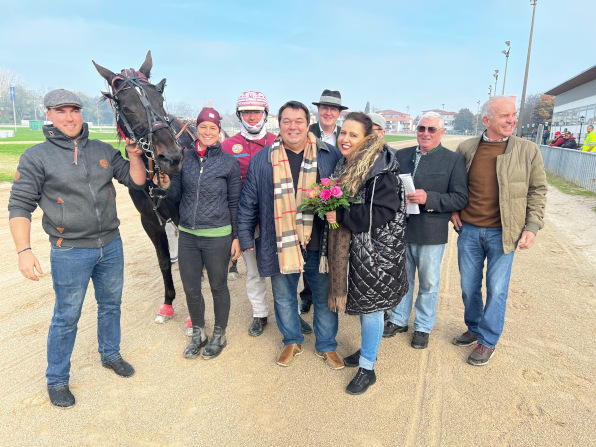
[(286, 358)]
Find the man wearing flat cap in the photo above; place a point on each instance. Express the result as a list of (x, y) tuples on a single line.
[(70, 177), (329, 107)]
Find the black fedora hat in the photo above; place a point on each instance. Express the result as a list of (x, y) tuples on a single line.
[(330, 98)]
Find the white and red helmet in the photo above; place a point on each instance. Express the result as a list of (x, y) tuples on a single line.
[(252, 100)]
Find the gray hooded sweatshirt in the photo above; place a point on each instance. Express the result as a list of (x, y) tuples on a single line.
[(72, 183)]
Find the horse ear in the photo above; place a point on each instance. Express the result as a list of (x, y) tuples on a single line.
[(161, 86), (107, 95), (147, 65), (104, 72)]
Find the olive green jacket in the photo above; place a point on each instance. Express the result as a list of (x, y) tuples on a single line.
[(522, 187)]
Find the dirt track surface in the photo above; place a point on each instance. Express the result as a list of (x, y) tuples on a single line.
[(539, 388)]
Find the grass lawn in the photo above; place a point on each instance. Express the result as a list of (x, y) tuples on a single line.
[(566, 186), (26, 134), (391, 138)]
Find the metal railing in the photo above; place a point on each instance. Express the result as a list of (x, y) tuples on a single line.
[(574, 165)]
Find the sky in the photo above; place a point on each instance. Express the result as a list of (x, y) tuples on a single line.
[(406, 56)]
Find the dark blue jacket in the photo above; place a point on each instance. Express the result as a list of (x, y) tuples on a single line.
[(208, 190), (256, 204)]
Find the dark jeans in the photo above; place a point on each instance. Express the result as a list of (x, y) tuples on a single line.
[(194, 252), (306, 294)]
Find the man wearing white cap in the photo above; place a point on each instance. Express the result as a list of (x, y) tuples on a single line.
[(252, 109), (71, 178)]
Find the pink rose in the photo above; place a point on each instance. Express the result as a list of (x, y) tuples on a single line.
[(311, 193), (336, 191), (335, 183), (325, 194), (325, 181)]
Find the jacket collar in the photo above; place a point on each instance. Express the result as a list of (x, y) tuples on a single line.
[(55, 136)]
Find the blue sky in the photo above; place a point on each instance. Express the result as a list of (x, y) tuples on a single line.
[(394, 54)]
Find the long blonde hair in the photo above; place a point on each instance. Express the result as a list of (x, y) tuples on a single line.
[(355, 170)]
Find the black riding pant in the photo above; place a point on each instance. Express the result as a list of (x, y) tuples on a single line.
[(194, 252)]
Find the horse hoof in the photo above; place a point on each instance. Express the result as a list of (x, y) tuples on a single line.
[(164, 314), (233, 276)]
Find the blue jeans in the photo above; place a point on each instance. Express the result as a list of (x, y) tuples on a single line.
[(427, 258), (285, 299), (72, 268), (371, 327), (474, 245)]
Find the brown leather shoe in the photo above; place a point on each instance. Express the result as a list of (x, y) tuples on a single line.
[(286, 358), (331, 358)]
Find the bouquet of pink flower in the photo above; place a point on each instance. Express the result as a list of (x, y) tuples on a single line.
[(326, 196)]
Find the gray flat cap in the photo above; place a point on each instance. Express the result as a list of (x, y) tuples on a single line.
[(61, 97), (378, 120)]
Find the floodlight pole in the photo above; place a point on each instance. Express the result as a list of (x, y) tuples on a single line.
[(523, 98), (506, 53)]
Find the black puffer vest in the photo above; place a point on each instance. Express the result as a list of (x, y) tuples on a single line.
[(377, 277)]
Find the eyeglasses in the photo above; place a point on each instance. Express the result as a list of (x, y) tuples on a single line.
[(324, 108), (431, 130), (252, 112)]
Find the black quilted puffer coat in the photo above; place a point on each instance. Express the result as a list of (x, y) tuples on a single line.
[(208, 190), (377, 278)]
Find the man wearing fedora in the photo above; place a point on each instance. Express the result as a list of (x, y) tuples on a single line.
[(329, 107), (71, 178)]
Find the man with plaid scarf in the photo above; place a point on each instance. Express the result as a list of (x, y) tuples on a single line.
[(290, 241)]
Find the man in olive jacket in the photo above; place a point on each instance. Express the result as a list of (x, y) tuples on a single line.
[(506, 201), (441, 183)]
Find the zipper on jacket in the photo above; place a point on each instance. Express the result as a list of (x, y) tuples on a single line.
[(194, 219), (94, 197)]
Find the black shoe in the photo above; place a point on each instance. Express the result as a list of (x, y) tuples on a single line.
[(257, 326), (391, 329), (216, 345), (420, 340), (361, 381), (305, 306), (352, 360), (120, 367), (386, 315), (61, 397), (305, 327), (199, 339)]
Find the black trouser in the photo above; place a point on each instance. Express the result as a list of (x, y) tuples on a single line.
[(306, 294), (194, 252)]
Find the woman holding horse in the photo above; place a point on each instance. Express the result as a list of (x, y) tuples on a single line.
[(208, 188), (367, 252)]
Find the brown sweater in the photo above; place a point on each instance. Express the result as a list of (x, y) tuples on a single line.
[(483, 188)]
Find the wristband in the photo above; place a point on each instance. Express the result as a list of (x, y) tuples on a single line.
[(24, 249)]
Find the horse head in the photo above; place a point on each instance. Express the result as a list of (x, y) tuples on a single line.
[(141, 116)]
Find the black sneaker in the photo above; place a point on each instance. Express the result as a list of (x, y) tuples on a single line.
[(391, 329), (387, 315), (352, 360), (480, 355), (120, 367), (61, 397), (305, 327), (305, 306), (465, 339), (420, 340), (257, 326), (361, 381)]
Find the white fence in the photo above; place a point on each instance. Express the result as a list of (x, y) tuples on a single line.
[(574, 165)]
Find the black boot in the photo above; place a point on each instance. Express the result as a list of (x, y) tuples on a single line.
[(61, 397), (199, 339), (305, 327), (361, 381), (216, 345), (256, 328)]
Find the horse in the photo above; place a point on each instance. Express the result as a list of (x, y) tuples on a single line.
[(141, 117)]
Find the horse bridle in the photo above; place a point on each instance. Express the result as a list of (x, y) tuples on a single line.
[(135, 80)]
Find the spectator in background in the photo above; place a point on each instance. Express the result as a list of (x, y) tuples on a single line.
[(558, 140), (378, 124), (545, 136), (590, 141), (569, 142)]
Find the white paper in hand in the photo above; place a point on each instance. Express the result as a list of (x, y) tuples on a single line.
[(409, 188)]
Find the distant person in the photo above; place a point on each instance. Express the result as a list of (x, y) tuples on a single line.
[(441, 183), (569, 142), (545, 136), (329, 108), (590, 141), (290, 241), (379, 124), (71, 178), (252, 109), (558, 140), (506, 200)]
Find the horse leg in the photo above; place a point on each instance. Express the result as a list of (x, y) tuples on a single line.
[(158, 236)]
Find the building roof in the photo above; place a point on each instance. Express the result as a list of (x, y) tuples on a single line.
[(390, 112), (440, 112), (580, 79)]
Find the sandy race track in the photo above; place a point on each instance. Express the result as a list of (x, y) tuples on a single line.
[(539, 389)]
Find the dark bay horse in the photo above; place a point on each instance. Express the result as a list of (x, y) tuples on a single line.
[(140, 116)]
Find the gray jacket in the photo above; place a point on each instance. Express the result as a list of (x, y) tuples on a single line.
[(78, 199), (442, 174)]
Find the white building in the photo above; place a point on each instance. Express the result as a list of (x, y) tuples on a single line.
[(574, 99)]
